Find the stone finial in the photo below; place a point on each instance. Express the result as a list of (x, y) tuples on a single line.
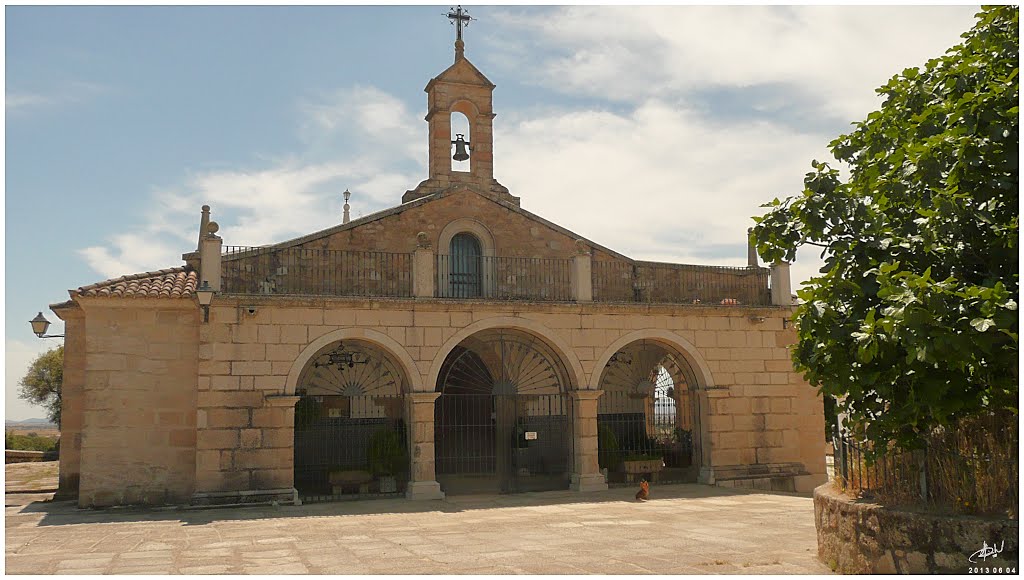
[(423, 241), (345, 218), (211, 229), (751, 250), (582, 248), (204, 220)]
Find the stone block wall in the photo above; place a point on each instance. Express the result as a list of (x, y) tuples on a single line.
[(758, 411), (860, 537), (139, 401), (397, 232), (72, 400)]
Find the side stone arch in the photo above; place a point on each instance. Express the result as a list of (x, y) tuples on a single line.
[(390, 345), (469, 225), (702, 374), (558, 344)]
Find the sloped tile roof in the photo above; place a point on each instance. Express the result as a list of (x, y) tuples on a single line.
[(168, 283)]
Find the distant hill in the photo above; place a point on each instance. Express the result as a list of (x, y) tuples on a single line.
[(40, 423)]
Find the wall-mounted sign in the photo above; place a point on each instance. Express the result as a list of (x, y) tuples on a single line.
[(531, 435)]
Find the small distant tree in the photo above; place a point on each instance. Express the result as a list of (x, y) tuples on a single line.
[(42, 383), (913, 322)]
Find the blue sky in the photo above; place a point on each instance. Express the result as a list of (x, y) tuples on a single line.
[(654, 131)]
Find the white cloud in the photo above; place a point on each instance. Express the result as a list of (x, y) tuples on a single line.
[(68, 93), (283, 198), (837, 55), (661, 182)]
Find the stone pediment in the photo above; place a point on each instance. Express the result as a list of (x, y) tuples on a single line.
[(462, 72)]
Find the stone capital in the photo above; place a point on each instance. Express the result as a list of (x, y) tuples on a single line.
[(586, 395), (281, 400), (423, 397)]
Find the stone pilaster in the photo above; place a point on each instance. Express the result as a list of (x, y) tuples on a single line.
[(422, 479), (423, 272), (72, 402), (586, 475), (582, 283), (209, 256), (782, 288)]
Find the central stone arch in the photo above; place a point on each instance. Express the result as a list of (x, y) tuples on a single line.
[(574, 369), (504, 414)]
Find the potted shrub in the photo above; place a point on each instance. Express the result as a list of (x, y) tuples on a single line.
[(636, 464), (607, 449), (387, 457)]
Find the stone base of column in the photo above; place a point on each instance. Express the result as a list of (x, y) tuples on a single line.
[(706, 476), (419, 490), (585, 483)]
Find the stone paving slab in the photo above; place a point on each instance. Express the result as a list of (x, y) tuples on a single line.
[(684, 529)]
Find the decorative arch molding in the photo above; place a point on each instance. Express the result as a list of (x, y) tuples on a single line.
[(555, 342), (390, 346), (701, 372), (464, 106), (469, 225)]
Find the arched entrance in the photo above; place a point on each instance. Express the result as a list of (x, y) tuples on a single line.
[(648, 417), (502, 420), (350, 432)]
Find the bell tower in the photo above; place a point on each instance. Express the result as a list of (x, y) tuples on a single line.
[(460, 90)]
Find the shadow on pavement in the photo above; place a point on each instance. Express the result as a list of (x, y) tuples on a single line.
[(61, 513)]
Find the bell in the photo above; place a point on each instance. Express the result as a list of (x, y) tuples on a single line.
[(460, 148)]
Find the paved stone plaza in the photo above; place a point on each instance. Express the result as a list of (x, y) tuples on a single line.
[(684, 529)]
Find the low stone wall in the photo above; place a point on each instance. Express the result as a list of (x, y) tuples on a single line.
[(18, 456), (859, 537)]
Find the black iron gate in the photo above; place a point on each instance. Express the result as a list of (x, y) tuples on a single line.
[(503, 443), (349, 447)]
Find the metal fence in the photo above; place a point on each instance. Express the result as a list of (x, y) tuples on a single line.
[(931, 475), (503, 443), (646, 437), (651, 282), (302, 271), (504, 278), (349, 447)]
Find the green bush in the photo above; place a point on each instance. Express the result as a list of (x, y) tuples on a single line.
[(29, 442), (607, 448), (386, 453)]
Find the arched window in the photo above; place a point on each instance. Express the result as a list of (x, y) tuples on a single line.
[(464, 252)]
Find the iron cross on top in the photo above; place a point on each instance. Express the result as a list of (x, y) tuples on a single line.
[(459, 18)]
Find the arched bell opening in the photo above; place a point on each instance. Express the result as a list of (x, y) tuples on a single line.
[(461, 142), (503, 417), (648, 416), (350, 425)]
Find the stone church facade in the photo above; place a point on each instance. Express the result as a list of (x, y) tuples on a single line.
[(453, 343)]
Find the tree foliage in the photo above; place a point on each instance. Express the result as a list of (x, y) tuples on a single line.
[(913, 320), (42, 383)]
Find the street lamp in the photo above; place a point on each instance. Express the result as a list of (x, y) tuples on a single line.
[(39, 326), (205, 295)]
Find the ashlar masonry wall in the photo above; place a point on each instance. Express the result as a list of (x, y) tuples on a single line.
[(138, 400), (759, 411)]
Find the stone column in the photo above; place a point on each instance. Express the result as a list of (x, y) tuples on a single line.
[(782, 289), (422, 479), (586, 474)]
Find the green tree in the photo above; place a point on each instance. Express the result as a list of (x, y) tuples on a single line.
[(41, 384), (913, 320)]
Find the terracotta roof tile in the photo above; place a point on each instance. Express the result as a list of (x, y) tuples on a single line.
[(168, 283)]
